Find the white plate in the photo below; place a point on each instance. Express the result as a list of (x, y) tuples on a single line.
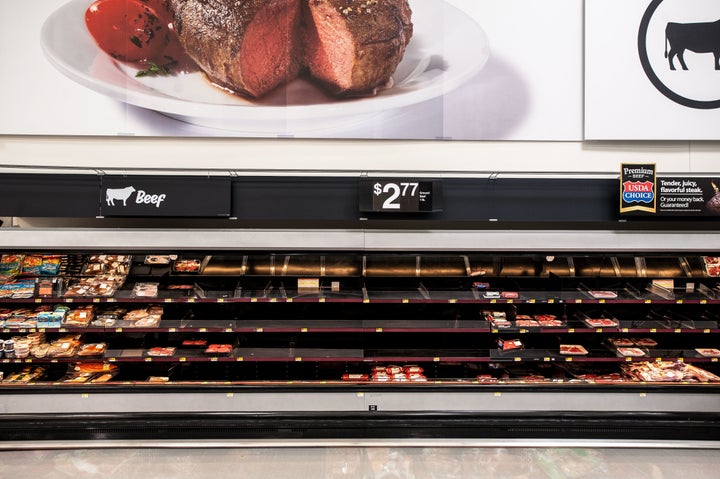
[(447, 49)]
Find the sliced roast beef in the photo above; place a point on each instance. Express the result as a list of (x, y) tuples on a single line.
[(354, 46), (247, 46)]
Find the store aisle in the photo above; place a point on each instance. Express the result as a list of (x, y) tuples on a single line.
[(364, 463)]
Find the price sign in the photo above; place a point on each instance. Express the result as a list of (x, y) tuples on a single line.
[(400, 196)]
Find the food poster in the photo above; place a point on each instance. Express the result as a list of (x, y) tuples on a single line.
[(652, 69), (445, 69)]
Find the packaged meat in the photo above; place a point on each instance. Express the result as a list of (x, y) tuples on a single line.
[(708, 352), (548, 321), (510, 295), (161, 351), (145, 290), (11, 264), (621, 342), (480, 285), (219, 349), (603, 294), (194, 343), (92, 349), (355, 377), (159, 259), (667, 371), (19, 289), (186, 266), (94, 367), (103, 285), (510, 344), (601, 322), (486, 378), (573, 350), (645, 342), (158, 379), (80, 317), (526, 323), (409, 369), (712, 265), (631, 352)]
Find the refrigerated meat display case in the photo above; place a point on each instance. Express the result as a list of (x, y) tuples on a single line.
[(153, 341)]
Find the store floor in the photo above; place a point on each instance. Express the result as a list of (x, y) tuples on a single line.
[(363, 463)]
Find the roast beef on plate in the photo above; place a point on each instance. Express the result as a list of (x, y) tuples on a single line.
[(253, 46), (248, 46)]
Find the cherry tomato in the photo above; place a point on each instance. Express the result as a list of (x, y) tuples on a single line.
[(161, 8), (128, 30)]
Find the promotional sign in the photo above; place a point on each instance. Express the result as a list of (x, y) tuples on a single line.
[(688, 196), (141, 196), (652, 69), (451, 69), (400, 196), (642, 193), (637, 189)]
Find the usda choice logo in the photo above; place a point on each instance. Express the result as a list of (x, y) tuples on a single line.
[(638, 192)]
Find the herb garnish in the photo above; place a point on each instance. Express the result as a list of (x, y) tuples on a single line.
[(157, 70)]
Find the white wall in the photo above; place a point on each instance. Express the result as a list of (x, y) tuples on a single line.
[(318, 156)]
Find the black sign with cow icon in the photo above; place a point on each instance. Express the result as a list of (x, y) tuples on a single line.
[(165, 196), (679, 49)]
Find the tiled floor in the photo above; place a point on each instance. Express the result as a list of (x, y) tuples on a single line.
[(363, 463)]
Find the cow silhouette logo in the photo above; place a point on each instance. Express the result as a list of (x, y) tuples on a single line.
[(668, 30), (696, 37), (122, 194)]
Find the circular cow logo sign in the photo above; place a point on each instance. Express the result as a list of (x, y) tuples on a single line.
[(679, 47)]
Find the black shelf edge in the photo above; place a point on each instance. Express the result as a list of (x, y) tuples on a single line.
[(696, 426)]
